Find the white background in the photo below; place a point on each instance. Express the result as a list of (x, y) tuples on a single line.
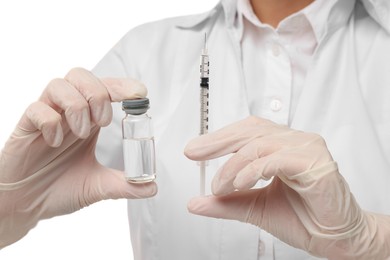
[(41, 40)]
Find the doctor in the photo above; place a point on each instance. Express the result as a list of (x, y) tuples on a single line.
[(314, 66)]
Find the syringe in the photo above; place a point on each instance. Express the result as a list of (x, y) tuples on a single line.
[(204, 107)]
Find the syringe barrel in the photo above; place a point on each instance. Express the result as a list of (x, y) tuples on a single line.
[(204, 110), (204, 66)]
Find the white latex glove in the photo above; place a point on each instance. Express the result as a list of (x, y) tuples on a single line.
[(48, 165), (308, 203)]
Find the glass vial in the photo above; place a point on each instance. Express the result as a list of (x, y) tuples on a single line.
[(138, 142)]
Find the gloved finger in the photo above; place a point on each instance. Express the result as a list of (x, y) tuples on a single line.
[(286, 162), (289, 160), (230, 138), (94, 92), (124, 88), (99, 93), (62, 96), (223, 181), (40, 116), (90, 97), (83, 97), (260, 169)]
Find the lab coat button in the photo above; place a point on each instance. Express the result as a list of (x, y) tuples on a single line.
[(276, 105), (261, 248), (275, 50)]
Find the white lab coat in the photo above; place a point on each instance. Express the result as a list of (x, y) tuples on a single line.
[(346, 99)]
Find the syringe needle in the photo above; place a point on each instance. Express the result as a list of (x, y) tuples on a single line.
[(205, 41), (202, 178)]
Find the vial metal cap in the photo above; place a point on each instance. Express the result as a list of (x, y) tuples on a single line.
[(135, 106)]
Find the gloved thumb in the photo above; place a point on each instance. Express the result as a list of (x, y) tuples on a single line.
[(108, 183), (258, 207), (237, 206)]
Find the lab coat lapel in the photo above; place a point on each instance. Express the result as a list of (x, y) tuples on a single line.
[(331, 93), (228, 102), (334, 105)]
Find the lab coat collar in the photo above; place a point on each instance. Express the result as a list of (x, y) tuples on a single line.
[(379, 10), (315, 14), (229, 7), (318, 12), (338, 16), (192, 21), (324, 16)]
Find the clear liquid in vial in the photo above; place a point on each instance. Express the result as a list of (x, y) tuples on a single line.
[(139, 160)]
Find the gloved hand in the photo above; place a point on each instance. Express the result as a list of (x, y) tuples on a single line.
[(48, 165), (308, 203)]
